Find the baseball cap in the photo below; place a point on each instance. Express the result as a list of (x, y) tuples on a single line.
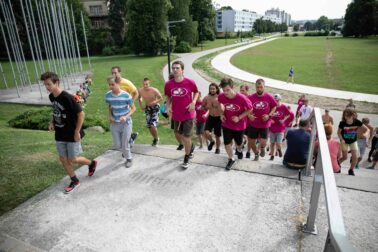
[(277, 97)]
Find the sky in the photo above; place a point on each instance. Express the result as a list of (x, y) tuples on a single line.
[(299, 9)]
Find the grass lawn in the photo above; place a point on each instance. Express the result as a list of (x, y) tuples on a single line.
[(337, 63), (28, 159), (216, 43)]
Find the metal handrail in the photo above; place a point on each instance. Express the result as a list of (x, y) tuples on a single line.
[(336, 238)]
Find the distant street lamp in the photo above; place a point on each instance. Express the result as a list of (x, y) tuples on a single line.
[(169, 43)]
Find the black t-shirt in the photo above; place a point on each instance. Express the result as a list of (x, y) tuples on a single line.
[(349, 131), (65, 111)]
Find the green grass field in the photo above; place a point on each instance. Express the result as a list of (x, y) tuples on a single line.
[(337, 63), (28, 159)]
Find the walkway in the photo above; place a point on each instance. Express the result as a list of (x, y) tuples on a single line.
[(222, 63)]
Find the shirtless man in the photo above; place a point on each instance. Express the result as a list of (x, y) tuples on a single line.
[(151, 107), (210, 102), (326, 118), (363, 137)]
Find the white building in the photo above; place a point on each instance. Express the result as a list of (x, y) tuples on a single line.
[(234, 21), (277, 16)]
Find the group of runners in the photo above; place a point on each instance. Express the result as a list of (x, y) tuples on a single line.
[(244, 120)]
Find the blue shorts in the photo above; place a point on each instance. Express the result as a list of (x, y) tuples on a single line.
[(69, 149)]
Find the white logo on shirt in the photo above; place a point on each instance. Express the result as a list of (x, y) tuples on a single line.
[(260, 105), (179, 91), (232, 107)]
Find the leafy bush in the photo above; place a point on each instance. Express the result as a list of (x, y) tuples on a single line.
[(183, 47), (32, 119), (332, 33), (319, 33), (286, 34), (39, 120), (108, 51), (295, 34)]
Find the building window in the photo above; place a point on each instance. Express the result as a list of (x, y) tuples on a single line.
[(97, 24), (95, 10)]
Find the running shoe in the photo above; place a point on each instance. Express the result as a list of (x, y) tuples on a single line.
[(92, 168), (230, 163), (72, 186)]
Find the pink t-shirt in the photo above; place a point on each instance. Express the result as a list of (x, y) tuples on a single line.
[(281, 112), (289, 121), (261, 105), (300, 104), (234, 107), (200, 112), (181, 94), (334, 147)]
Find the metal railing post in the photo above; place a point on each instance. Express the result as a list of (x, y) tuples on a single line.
[(311, 148), (309, 226)]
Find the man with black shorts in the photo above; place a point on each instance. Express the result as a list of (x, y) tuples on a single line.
[(259, 121), (210, 103), (235, 108), (182, 95)]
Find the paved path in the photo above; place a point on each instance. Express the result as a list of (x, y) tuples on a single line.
[(259, 206), (222, 63)]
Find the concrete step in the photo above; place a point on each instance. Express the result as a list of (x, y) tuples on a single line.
[(157, 206)]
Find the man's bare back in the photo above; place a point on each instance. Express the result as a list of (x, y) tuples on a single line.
[(211, 103)]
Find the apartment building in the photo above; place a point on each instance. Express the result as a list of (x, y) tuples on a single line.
[(97, 12), (234, 21)]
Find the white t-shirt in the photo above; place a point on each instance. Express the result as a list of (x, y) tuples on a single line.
[(305, 112)]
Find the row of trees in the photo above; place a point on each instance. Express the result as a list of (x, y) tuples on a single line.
[(141, 25), (263, 26)]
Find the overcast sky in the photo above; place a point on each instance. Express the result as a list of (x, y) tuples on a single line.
[(299, 9)]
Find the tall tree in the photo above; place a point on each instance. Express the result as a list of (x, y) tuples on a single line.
[(361, 18), (203, 12), (147, 19), (323, 23), (308, 26), (186, 31), (116, 20)]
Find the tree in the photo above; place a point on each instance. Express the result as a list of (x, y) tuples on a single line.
[(296, 27), (308, 26), (183, 31), (361, 18), (323, 23), (226, 8), (116, 20), (203, 12), (147, 21)]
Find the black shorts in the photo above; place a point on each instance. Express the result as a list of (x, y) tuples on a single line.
[(229, 135), (184, 128), (256, 133), (214, 122), (200, 128)]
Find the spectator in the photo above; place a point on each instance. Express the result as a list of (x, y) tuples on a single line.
[(289, 121), (347, 132), (333, 147), (350, 104), (326, 118), (298, 144)]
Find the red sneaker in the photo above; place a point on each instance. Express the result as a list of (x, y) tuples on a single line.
[(92, 168), (72, 186)]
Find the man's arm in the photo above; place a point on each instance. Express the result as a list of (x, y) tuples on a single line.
[(140, 100), (79, 124)]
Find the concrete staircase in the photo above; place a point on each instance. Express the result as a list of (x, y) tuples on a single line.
[(157, 206)]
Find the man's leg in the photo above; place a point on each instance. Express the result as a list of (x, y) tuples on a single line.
[(154, 132)]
